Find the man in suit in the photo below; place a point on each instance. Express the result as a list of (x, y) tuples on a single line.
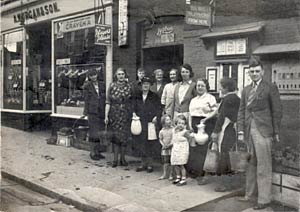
[(259, 117)]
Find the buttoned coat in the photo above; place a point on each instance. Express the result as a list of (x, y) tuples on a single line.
[(265, 109), (183, 106)]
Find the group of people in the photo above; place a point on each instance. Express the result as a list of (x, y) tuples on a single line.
[(176, 108)]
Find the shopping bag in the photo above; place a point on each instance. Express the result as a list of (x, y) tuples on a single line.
[(239, 158), (212, 159), (136, 126), (105, 136), (151, 131)]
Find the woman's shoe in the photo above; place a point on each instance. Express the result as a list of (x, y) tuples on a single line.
[(181, 183), (141, 168), (94, 157), (114, 164), (176, 181), (149, 169), (162, 177), (220, 189), (123, 163), (202, 181)]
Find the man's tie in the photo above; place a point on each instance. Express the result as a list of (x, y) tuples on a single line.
[(252, 94)]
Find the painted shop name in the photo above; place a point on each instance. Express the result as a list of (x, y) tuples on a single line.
[(37, 12), (165, 30)]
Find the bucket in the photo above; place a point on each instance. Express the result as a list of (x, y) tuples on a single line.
[(239, 159), (80, 133)]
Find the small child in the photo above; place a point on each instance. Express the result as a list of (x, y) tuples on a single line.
[(165, 138), (180, 149)]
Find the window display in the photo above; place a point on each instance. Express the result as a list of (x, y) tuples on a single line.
[(75, 54), (12, 70), (38, 79)]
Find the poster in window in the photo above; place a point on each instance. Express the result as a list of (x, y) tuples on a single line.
[(240, 46), (212, 79), (221, 47), (230, 47)]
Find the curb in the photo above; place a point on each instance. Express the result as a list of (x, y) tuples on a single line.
[(42, 190)]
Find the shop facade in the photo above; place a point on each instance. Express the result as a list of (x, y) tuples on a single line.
[(48, 47)]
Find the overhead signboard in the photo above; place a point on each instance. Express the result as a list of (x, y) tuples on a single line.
[(103, 34), (198, 14)]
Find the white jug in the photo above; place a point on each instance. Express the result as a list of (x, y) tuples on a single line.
[(201, 137), (136, 126)]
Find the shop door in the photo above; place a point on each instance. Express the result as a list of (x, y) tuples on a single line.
[(165, 58)]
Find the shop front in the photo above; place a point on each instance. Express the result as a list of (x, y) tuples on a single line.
[(162, 44), (47, 50)]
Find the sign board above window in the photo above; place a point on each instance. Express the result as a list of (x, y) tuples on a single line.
[(231, 47), (198, 14)]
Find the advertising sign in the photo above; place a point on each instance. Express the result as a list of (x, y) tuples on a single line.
[(231, 47), (198, 14), (123, 22), (103, 34)]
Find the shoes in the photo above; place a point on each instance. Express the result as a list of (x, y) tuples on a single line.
[(260, 206), (114, 164), (181, 183), (149, 169), (220, 189), (141, 168), (100, 156), (94, 157), (162, 177), (123, 163), (243, 199), (202, 181), (171, 178), (176, 181)]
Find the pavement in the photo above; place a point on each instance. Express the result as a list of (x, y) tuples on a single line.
[(68, 174)]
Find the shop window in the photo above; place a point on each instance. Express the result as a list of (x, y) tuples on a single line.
[(12, 70), (75, 54), (38, 60)]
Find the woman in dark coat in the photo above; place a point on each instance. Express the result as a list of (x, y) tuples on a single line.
[(94, 96), (227, 117), (147, 109)]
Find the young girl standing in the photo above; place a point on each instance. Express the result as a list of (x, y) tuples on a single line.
[(165, 139), (180, 149)]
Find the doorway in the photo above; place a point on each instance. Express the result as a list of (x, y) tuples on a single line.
[(165, 58)]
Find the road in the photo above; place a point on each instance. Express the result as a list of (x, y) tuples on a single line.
[(17, 198)]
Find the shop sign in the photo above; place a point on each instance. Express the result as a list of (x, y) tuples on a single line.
[(36, 12), (74, 24), (16, 62), (231, 47), (166, 34), (123, 22), (103, 34), (63, 61), (212, 79), (198, 14)]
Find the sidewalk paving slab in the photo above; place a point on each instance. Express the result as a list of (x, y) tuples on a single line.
[(69, 174)]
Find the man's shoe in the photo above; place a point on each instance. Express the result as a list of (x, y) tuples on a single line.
[(149, 169), (141, 168), (100, 156), (114, 164), (243, 199), (202, 181), (123, 163), (260, 206), (94, 157)]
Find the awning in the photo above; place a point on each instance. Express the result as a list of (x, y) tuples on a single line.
[(278, 48), (241, 29)]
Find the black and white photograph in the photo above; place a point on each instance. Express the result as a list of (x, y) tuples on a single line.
[(150, 105)]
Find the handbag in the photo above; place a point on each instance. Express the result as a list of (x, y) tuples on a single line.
[(151, 131), (212, 158), (136, 126), (239, 158)]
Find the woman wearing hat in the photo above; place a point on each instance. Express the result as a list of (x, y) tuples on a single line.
[(147, 108), (94, 98)]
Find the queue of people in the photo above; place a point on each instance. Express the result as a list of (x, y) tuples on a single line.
[(177, 108)]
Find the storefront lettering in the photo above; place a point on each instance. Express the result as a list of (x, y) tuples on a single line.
[(103, 35), (165, 30), (75, 24), (36, 12)]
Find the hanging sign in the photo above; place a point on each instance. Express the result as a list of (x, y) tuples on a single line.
[(198, 14), (123, 22), (103, 34)]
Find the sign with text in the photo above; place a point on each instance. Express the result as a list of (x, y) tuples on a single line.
[(103, 34), (123, 22), (198, 14), (231, 47), (74, 24)]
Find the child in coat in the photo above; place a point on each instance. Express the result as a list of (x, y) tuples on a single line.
[(165, 139)]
